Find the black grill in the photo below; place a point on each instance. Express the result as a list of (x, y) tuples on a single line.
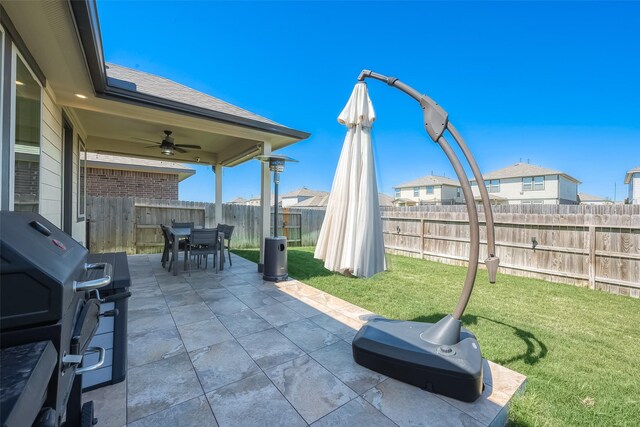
[(46, 297)]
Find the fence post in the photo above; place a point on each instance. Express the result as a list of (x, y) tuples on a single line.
[(421, 238), (592, 256)]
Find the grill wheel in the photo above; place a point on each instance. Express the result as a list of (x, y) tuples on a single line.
[(87, 419)]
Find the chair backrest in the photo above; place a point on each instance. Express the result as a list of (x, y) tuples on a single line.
[(220, 227), (207, 237), (165, 233), (189, 225), (228, 231)]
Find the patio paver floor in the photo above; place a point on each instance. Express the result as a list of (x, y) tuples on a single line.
[(229, 349)]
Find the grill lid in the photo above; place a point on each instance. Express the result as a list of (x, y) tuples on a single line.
[(38, 265)]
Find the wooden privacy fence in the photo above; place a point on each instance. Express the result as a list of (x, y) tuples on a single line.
[(132, 224), (594, 246)]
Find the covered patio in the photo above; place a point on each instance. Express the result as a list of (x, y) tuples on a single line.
[(229, 349)]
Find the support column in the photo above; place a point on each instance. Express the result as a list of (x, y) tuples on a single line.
[(217, 169), (265, 201)]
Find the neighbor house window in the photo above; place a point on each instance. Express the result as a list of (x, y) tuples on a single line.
[(27, 134), (458, 192), (416, 191), (397, 193), (533, 183), (493, 185), (82, 167), (430, 189)]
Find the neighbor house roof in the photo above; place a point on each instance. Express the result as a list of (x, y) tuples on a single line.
[(107, 161), (430, 180), (150, 84), (322, 200), (304, 192), (584, 197), (630, 172), (239, 201), (519, 170)]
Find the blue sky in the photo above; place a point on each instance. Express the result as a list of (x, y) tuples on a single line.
[(554, 83)]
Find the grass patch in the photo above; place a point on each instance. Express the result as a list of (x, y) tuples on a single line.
[(579, 348)]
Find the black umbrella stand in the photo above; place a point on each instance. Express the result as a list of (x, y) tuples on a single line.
[(442, 357)]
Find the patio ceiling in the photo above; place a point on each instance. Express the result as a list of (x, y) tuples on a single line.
[(123, 106)]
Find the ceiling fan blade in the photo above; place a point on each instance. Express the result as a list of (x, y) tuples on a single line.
[(178, 149), (145, 140), (195, 147), (152, 146)]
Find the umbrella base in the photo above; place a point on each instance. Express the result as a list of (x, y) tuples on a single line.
[(394, 348)]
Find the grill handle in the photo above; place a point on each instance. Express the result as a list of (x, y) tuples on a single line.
[(95, 366), (95, 283)]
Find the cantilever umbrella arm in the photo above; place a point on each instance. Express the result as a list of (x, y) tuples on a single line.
[(436, 121)]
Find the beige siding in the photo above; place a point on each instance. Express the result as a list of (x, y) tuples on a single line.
[(51, 165), (51, 161)]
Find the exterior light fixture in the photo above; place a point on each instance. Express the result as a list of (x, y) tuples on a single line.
[(81, 96), (19, 83)]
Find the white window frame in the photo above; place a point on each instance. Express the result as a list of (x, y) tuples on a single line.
[(416, 191), (429, 189), (398, 192), (493, 185), (15, 53), (81, 208), (533, 183)]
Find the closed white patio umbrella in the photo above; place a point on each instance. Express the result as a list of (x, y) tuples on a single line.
[(350, 240)]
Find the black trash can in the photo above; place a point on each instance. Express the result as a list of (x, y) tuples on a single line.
[(275, 259), (112, 330)]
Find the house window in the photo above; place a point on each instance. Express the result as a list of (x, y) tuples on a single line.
[(458, 192), (397, 193), (416, 191), (493, 185), (82, 174), (27, 139), (533, 183), (429, 189)]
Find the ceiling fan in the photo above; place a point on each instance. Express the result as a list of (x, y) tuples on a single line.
[(167, 146)]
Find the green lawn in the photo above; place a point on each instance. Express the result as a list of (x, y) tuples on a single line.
[(579, 348)]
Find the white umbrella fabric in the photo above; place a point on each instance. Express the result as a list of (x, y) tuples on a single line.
[(350, 240)]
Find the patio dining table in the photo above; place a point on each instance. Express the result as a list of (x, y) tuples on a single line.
[(182, 233)]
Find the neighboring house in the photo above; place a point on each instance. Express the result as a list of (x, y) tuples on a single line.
[(126, 176), (239, 201), (61, 100), (588, 199), (523, 183), (429, 190), (321, 201), (633, 179), (299, 195)]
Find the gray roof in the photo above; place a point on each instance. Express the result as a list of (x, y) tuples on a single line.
[(627, 178), (519, 170), (108, 161), (304, 192), (149, 84), (584, 197), (322, 201), (430, 180), (239, 201)]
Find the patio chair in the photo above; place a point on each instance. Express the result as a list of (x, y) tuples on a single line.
[(228, 231), (167, 253), (175, 224), (204, 243)]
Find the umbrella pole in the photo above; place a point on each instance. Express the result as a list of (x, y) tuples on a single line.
[(436, 122)]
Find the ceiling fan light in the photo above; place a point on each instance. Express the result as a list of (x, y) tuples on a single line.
[(167, 151)]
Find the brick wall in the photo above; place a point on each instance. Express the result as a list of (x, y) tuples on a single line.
[(122, 183)]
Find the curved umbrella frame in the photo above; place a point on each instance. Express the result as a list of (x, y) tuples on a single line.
[(436, 122)]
